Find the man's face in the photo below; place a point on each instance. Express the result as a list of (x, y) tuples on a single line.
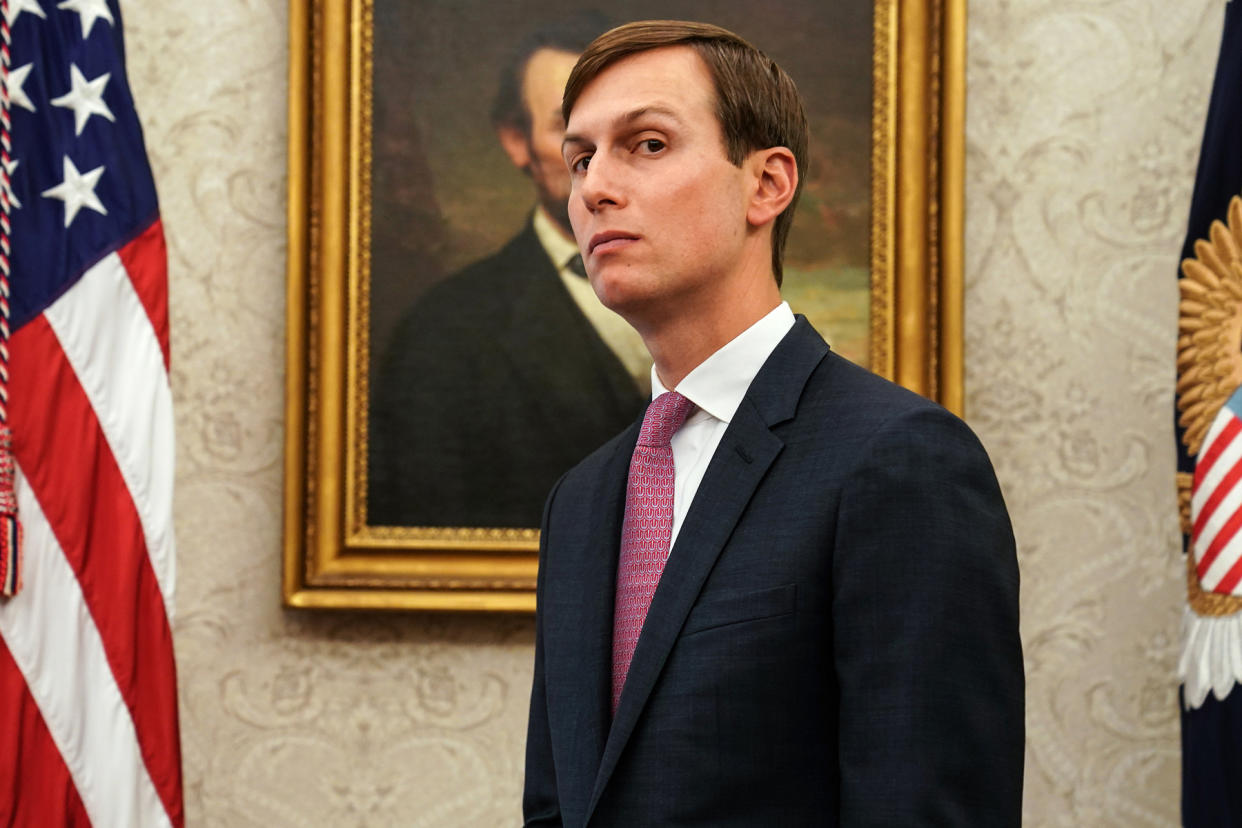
[(658, 210), (539, 151)]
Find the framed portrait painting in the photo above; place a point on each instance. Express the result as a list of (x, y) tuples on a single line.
[(447, 360)]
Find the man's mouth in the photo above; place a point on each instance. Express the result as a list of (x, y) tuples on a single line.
[(610, 240)]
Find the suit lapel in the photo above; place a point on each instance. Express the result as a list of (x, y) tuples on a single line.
[(746, 451), (582, 648)]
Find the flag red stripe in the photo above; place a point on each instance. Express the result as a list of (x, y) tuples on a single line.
[(1231, 578), (59, 443), (145, 259), (35, 785), (1219, 542), (1221, 442), (1218, 494)]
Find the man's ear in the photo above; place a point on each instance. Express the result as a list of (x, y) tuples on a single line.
[(776, 180), (513, 139)]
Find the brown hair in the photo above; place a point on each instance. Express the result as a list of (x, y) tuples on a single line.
[(757, 103)]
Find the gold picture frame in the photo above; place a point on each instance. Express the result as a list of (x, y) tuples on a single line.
[(332, 557)]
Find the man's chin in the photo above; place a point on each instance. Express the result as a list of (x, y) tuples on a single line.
[(624, 299)]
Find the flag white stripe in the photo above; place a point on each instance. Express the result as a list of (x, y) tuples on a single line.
[(1228, 458), (1222, 418), (1224, 562), (117, 358), (1225, 510), (52, 636)]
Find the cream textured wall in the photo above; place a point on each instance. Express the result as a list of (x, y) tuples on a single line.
[(1084, 119), (1083, 130)]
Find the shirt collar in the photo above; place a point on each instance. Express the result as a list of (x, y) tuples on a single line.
[(559, 249), (719, 383)]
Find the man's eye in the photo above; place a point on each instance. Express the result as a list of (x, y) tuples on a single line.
[(652, 144), (580, 164)]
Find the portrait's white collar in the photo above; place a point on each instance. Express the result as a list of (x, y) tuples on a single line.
[(559, 249)]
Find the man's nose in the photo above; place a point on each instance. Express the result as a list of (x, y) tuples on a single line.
[(601, 185)]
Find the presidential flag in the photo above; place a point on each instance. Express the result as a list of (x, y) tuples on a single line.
[(88, 700), (1209, 443)]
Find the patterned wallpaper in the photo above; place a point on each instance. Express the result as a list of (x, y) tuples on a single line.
[(1083, 125), (1083, 130)]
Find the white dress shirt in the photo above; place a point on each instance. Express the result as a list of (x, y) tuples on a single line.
[(716, 387)]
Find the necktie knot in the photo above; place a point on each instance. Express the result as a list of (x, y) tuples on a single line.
[(577, 266), (664, 416)]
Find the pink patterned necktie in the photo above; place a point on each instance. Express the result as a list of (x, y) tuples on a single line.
[(647, 529)]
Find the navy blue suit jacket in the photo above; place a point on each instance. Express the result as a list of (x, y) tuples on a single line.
[(834, 639)]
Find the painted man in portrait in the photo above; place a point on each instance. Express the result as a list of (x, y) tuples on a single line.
[(504, 375)]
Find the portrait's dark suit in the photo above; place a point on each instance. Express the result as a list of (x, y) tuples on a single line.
[(834, 639), (494, 385)]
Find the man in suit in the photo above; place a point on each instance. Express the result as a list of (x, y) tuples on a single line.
[(506, 374), (789, 594)]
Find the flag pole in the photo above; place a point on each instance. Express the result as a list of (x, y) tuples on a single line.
[(10, 528)]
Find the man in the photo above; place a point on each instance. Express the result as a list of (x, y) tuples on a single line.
[(506, 374), (833, 637)]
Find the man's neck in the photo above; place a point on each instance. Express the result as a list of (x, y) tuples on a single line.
[(683, 342)]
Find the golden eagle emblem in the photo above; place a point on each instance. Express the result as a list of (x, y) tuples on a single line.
[(1209, 363)]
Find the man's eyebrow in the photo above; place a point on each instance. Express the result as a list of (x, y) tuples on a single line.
[(654, 109), (628, 118)]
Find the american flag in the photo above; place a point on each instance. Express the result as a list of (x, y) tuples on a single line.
[(88, 699)]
